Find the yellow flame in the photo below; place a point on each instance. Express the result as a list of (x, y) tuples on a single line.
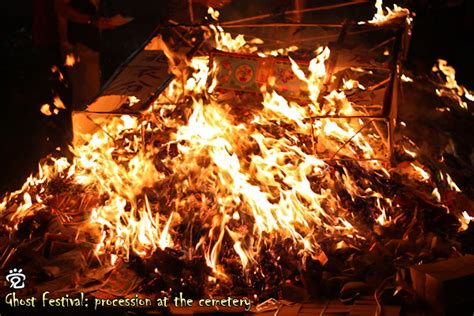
[(70, 60), (245, 181), (382, 16), (465, 219), (451, 87), (45, 109)]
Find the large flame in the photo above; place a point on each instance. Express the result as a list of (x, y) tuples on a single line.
[(200, 178), (382, 16), (451, 88)]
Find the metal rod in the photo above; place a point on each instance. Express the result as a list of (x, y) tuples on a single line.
[(330, 37), (381, 83), (6, 256), (335, 48), (322, 8), (184, 39), (101, 128), (191, 11), (382, 138), (352, 159), (382, 44), (283, 25), (350, 139), (374, 117), (110, 113), (367, 106)]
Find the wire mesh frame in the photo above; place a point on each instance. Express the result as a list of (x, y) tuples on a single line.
[(390, 104), (389, 111)]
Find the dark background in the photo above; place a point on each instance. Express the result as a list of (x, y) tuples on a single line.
[(443, 29)]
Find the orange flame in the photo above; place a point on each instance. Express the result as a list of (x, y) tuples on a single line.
[(245, 181)]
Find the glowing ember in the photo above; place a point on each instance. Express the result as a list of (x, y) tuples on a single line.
[(465, 220), (59, 103), (133, 100), (45, 109), (49, 110), (70, 60), (55, 69), (405, 78)]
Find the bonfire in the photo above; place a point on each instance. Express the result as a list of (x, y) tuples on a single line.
[(255, 173)]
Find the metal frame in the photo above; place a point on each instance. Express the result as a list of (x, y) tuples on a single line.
[(389, 110)]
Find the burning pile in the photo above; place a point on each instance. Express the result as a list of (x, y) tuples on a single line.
[(224, 188)]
